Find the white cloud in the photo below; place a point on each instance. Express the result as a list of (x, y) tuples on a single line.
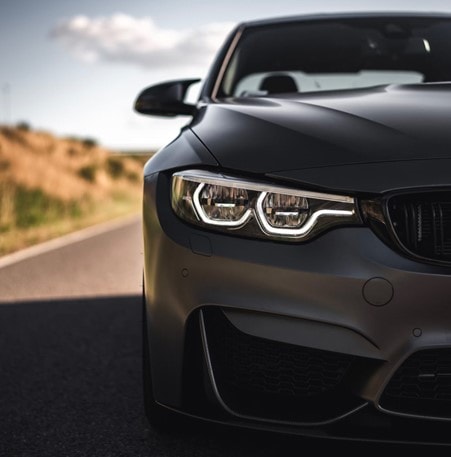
[(126, 39)]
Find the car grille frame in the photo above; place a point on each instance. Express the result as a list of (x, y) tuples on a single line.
[(420, 223)]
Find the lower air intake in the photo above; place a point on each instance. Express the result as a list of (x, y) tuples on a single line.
[(422, 385), (267, 379)]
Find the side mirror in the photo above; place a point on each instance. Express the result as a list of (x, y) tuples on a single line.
[(166, 99)]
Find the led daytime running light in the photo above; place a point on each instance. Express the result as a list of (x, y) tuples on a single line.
[(257, 209)]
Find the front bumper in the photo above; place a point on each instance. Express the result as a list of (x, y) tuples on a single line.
[(345, 293)]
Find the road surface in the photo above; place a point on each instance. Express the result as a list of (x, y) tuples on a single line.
[(70, 359), (102, 261)]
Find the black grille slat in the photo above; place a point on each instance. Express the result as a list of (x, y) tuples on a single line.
[(422, 224), (422, 385)]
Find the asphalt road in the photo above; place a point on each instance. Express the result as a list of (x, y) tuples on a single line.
[(70, 361)]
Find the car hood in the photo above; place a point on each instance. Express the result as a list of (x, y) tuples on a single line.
[(329, 129)]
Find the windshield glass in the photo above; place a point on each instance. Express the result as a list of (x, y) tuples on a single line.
[(338, 54)]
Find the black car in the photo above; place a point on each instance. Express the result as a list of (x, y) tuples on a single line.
[(297, 232)]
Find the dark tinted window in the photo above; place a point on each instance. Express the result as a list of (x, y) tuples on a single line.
[(341, 54)]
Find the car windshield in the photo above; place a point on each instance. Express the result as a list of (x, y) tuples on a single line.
[(337, 54)]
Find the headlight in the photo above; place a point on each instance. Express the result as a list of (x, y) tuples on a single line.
[(221, 205), (256, 209)]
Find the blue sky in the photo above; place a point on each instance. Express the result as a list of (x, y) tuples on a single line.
[(75, 68)]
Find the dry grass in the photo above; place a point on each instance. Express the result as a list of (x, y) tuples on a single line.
[(50, 186)]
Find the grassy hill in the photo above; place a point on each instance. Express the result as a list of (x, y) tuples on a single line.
[(50, 186)]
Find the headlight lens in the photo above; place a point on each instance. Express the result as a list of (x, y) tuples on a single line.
[(284, 211), (227, 206), (257, 209)]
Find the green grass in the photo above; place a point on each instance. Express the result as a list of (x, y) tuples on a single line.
[(107, 185), (32, 208), (29, 216)]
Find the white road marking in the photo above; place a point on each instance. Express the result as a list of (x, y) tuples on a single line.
[(66, 240)]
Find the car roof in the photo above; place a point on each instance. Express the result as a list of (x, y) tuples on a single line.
[(349, 15)]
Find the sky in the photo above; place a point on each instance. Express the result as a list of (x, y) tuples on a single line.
[(74, 68)]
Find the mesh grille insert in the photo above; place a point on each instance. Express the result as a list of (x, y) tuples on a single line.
[(422, 385)]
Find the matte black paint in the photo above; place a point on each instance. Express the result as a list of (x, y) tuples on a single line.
[(166, 99), (383, 124), (363, 142), (316, 284), (185, 151)]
